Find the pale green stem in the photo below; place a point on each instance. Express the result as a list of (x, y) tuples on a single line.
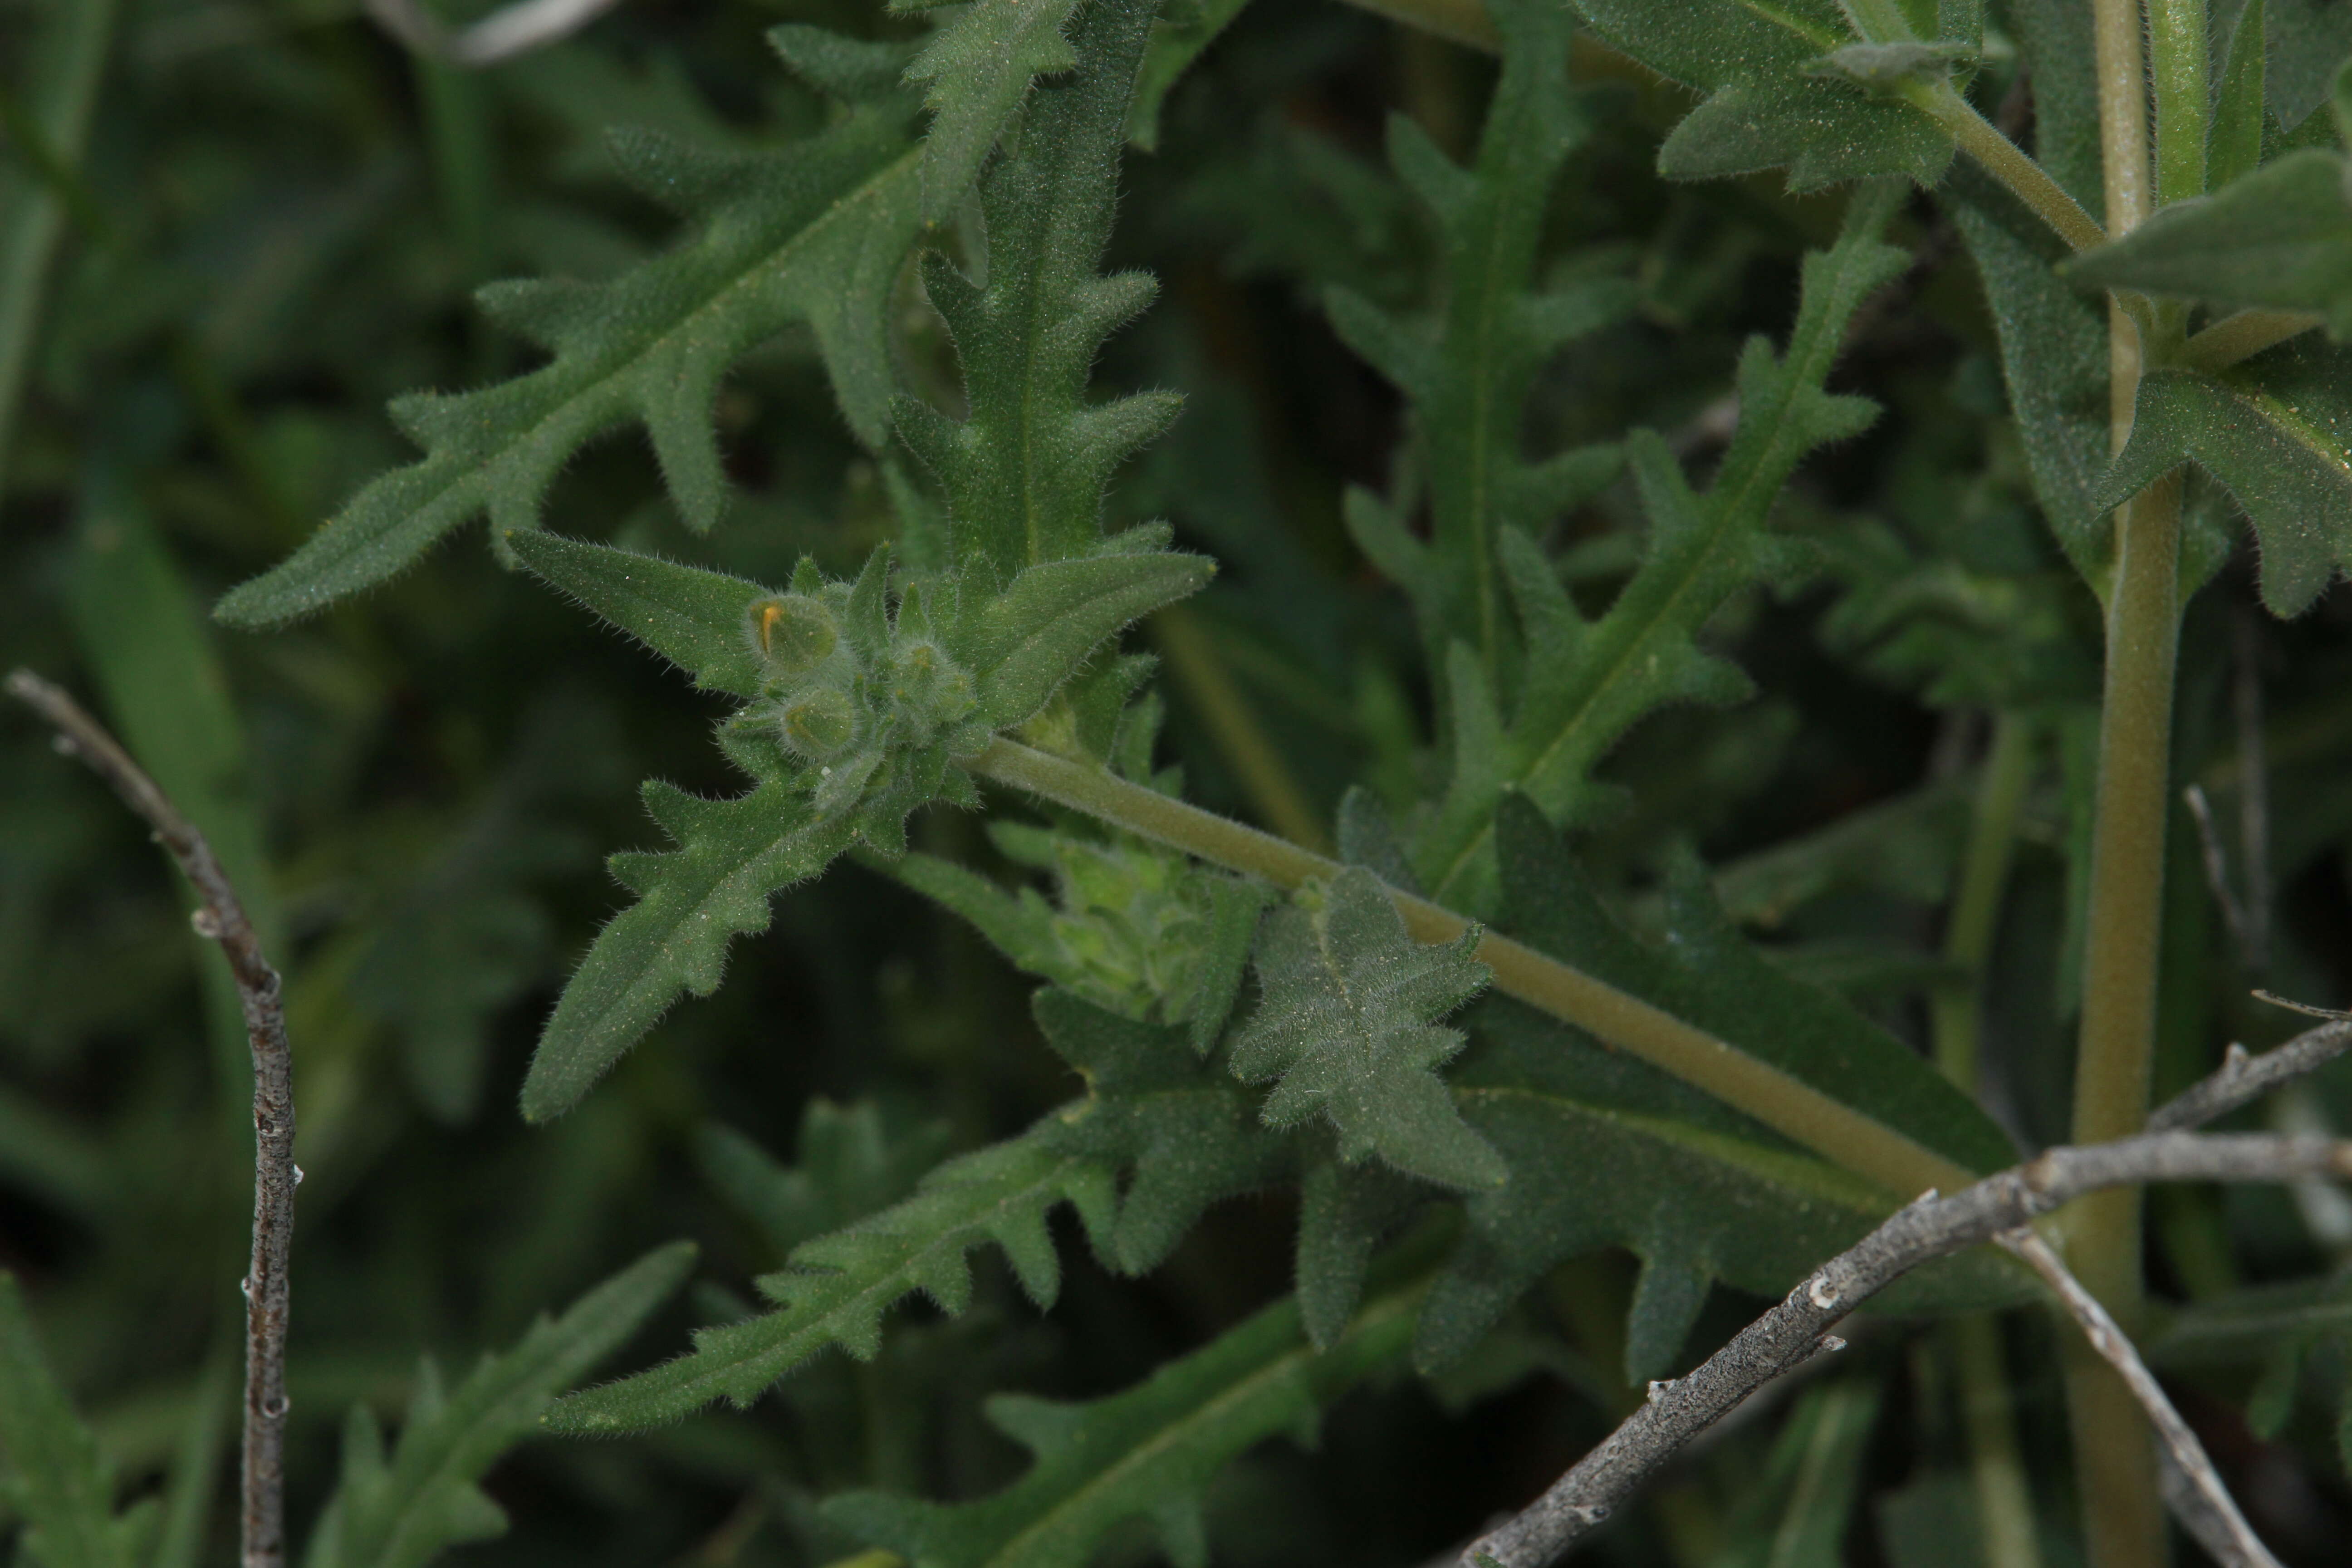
[(2115, 1452), (61, 92), (2002, 158), (2183, 100), (1233, 723), (1989, 1419), (2243, 336), (1976, 903), (1788, 1105)]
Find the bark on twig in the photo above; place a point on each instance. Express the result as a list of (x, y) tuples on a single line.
[(2242, 1078), (2192, 1490), (516, 29), (220, 916), (1797, 1329)]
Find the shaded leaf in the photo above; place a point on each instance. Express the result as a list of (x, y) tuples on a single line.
[(979, 66), (52, 1473)]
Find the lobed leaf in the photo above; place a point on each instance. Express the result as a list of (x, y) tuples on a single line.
[(1587, 684), (835, 1289), (2277, 433), (1344, 1023), (732, 855), (1147, 1453), (1764, 108), (404, 1510), (52, 1472), (1024, 469), (815, 234), (979, 66)]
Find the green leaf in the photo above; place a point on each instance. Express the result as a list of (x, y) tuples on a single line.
[(814, 234), (1764, 108), (979, 66), (2235, 144), (694, 618), (1176, 43), (1604, 1149), (2279, 237), (850, 1163), (1024, 470), (404, 1510), (1345, 1024), (2277, 433), (1587, 684), (1800, 1516), (732, 857), (1027, 641), (1147, 1453), (2308, 40), (1468, 379), (52, 1472), (835, 1289)]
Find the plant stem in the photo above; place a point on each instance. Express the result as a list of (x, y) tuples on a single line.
[(222, 918), (1996, 1470), (2183, 102), (1191, 656), (2119, 1031), (2115, 1452), (68, 62), (2002, 158), (1788, 1105), (2243, 336), (1976, 904)]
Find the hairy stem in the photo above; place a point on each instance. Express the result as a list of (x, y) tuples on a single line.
[(1233, 723), (66, 62), (221, 916), (2243, 336), (2183, 102), (2002, 158), (2118, 1029), (1790, 1106)]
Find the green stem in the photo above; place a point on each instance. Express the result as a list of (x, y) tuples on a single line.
[(2004, 1500), (66, 64), (1976, 903), (1191, 656), (2243, 336), (2002, 158), (1788, 1105), (2183, 102)]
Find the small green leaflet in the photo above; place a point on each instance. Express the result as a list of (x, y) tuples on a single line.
[(1769, 103), (1588, 683), (979, 66), (1468, 383), (1149, 1452), (859, 716), (403, 1509), (814, 234), (52, 1473), (2280, 236), (1181, 1131), (1176, 42), (1345, 1024), (2277, 433), (1024, 470), (850, 1162)]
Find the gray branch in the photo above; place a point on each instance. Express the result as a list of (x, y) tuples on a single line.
[(2242, 1078), (2191, 1489), (220, 916), (1797, 1329)]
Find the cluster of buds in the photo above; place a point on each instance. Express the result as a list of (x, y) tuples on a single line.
[(848, 700)]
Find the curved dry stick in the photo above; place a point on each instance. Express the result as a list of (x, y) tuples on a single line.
[(516, 29), (1797, 1329), (220, 916)]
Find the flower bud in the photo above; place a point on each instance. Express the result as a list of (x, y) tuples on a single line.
[(818, 724), (793, 632)]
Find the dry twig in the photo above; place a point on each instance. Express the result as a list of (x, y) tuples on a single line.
[(2242, 1078), (516, 29), (220, 916), (2192, 1490)]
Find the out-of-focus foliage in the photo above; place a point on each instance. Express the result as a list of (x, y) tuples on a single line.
[(1607, 498)]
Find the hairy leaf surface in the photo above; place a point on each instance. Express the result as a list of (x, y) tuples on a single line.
[(1149, 1452), (404, 1508), (52, 1475), (1764, 106), (979, 66), (1588, 683), (815, 234), (1345, 1024)]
